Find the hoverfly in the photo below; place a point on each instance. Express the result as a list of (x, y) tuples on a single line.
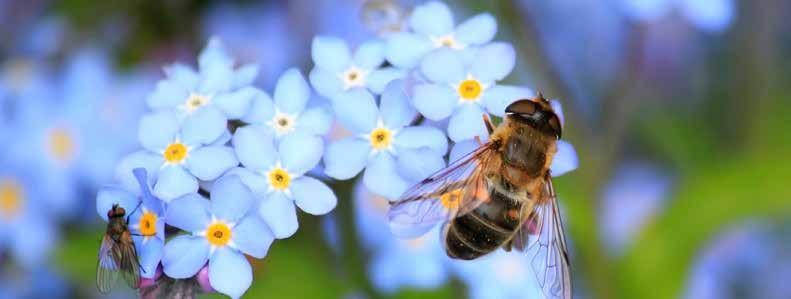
[(498, 196)]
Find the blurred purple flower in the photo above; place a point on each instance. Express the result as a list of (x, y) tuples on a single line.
[(708, 15)]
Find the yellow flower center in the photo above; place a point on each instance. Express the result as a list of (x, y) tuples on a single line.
[(279, 179), (11, 197), (218, 234), (470, 89), (195, 101), (148, 224), (61, 144), (381, 138), (451, 199), (353, 77), (175, 152)]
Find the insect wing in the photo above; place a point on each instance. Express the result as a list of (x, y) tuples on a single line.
[(449, 193), (107, 269), (129, 265)]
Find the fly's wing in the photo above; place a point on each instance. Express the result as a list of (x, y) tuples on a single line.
[(129, 264), (107, 269), (542, 240), (449, 193)]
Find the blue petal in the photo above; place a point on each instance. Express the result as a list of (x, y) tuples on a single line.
[(477, 30), (230, 199), (346, 157), (558, 107), (256, 182), (467, 123), (405, 50), (565, 159), (356, 110), (422, 136), (712, 16), (123, 172), (493, 62), (370, 55), (33, 242), (315, 121), (108, 196), (183, 75), (214, 55), (395, 108), (236, 104), (209, 162), (313, 196), (461, 149), (255, 147), (230, 273), (325, 82), (185, 256), (245, 75), (279, 214), (432, 19), (203, 126), (500, 96), (189, 213), (443, 66), (381, 177), (150, 255), (157, 130), (174, 181), (291, 92), (300, 152), (435, 101), (167, 94), (262, 109), (378, 79), (330, 53), (252, 236), (417, 164)]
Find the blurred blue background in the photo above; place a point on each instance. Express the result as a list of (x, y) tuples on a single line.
[(679, 111)]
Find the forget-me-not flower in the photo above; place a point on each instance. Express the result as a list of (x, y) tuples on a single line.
[(288, 112), (177, 155), (709, 15), (338, 70), (433, 28), (394, 154), (499, 274), (277, 173), (221, 231)]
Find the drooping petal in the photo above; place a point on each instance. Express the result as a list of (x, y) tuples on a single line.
[(235, 104), (209, 162), (434, 101), (330, 53), (477, 30), (139, 159), (565, 159), (150, 254), (108, 196), (189, 212), (422, 136), (462, 148), (230, 273), (185, 256), (157, 130), (214, 55), (443, 66), (405, 49), (315, 121), (370, 55), (356, 110), (497, 98), (262, 109), (174, 181), (257, 183), (432, 19), (493, 62), (279, 214), (291, 92), (378, 79), (346, 157), (325, 82), (168, 94), (300, 152), (245, 75), (467, 123), (395, 108), (230, 198), (381, 177), (313, 196), (255, 147), (183, 75), (252, 236), (203, 126), (417, 164)]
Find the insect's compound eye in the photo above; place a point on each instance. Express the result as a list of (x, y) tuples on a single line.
[(554, 125), (524, 107)]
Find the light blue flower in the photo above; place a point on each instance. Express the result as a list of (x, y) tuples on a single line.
[(177, 155), (338, 71), (218, 87), (221, 231), (288, 113), (277, 174), (145, 214), (397, 263), (499, 275), (432, 28), (462, 88), (708, 15), (394, 154)]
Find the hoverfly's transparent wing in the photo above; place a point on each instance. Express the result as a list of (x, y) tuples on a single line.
[(107, 269), (541, 238), (129, 264), (449, 193)]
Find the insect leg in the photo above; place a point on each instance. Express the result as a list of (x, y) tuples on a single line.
[(488, 122)]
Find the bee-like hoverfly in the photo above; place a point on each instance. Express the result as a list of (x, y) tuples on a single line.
[(498, 196), (117, 254)]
